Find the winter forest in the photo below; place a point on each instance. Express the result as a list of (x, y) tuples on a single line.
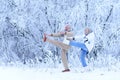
[(23, 23)]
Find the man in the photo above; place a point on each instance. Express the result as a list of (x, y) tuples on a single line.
[(63, 45), (85, 42)]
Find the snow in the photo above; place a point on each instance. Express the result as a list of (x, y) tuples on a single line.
[(23, 23), (14, 73)]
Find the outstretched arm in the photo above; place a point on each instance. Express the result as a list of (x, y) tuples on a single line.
[(55, 34), (61, 34), (70, 38)]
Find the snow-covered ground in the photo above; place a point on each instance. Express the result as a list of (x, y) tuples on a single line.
[(13, 73)]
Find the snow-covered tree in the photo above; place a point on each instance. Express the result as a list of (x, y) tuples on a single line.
[(23, 23)]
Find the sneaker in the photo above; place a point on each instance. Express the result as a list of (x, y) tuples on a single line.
[(44, 38), (85, 69), (66, 70)]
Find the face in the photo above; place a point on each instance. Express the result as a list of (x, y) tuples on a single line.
[(87, 31), (67, 28)]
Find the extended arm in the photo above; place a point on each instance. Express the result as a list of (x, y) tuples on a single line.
[(62, 34)]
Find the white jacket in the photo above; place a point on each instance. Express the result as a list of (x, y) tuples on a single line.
[(88, 40)]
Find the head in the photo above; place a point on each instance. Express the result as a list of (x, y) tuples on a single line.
[(87, 31), (67, 28)]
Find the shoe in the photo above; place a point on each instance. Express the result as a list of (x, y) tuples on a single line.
[(66, 70), (44, 38), (85, 69)]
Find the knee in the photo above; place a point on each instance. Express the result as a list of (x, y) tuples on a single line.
[(81, 56)]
